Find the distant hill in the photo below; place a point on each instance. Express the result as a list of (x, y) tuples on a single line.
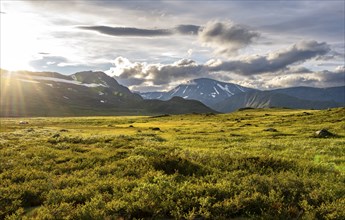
[(85, 93), (336, 94), (267, 99), (207, 91), (173, 106)]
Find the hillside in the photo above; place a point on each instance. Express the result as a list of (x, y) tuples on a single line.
[(335, 94), (252, 164), (268, 99)]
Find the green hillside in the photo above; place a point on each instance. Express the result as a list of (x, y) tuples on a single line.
[(251, 164)]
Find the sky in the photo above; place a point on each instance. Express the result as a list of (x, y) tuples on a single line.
[(156, 45)]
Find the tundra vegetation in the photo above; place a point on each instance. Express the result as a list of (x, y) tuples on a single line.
[(250, 164)]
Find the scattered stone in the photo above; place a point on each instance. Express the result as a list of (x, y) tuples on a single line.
[(23, 122), (324, 133), (155, 129), (63, 130), (307, 113), (271, 129), (30, 130), (56, 135)]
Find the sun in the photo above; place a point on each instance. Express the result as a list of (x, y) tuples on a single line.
[(18, 40)]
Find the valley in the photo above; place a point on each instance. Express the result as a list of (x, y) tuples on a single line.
[(249, 164)]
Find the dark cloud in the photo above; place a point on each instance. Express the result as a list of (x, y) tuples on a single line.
[(227, 38), (299, 69), (334, 78), (273, 62), (187, 29), (139, 32), (127, 31)]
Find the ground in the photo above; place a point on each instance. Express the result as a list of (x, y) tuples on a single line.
[(250, 164)]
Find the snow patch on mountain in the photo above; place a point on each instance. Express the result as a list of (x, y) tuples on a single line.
[(226, 89), (240, 88)]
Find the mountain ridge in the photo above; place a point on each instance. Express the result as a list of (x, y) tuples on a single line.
[(269, 99)]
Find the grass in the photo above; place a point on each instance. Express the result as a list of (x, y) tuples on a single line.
[(194, 166)]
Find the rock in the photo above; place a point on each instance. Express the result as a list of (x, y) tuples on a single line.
[(63, 130), (23, 122), (131, 126), (324, 133), (271, 129), (307, 113), (155, 129)]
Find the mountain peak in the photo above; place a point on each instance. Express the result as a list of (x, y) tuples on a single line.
[(206, 90), (97, 77)]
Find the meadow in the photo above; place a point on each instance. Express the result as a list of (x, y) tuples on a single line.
[(250, 164)]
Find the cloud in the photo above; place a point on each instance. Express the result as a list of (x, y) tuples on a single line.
[(135, 73), (187, 29), (275, 61), (325, 78), (126, 31), (277, 69), (139, 32), (334, 78), (63, 65), (226, 37)]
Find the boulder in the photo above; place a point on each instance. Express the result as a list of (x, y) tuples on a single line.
[(155, 129), (324, 133), (271, 129)]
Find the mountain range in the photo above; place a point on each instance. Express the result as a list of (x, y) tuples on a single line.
[(84, 93), (228, 97), (26, 93)]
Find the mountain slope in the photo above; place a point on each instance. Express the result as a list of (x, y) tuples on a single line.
[(267, 99), (336, 94), (173, 106), (207, 91), (84, 93)]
